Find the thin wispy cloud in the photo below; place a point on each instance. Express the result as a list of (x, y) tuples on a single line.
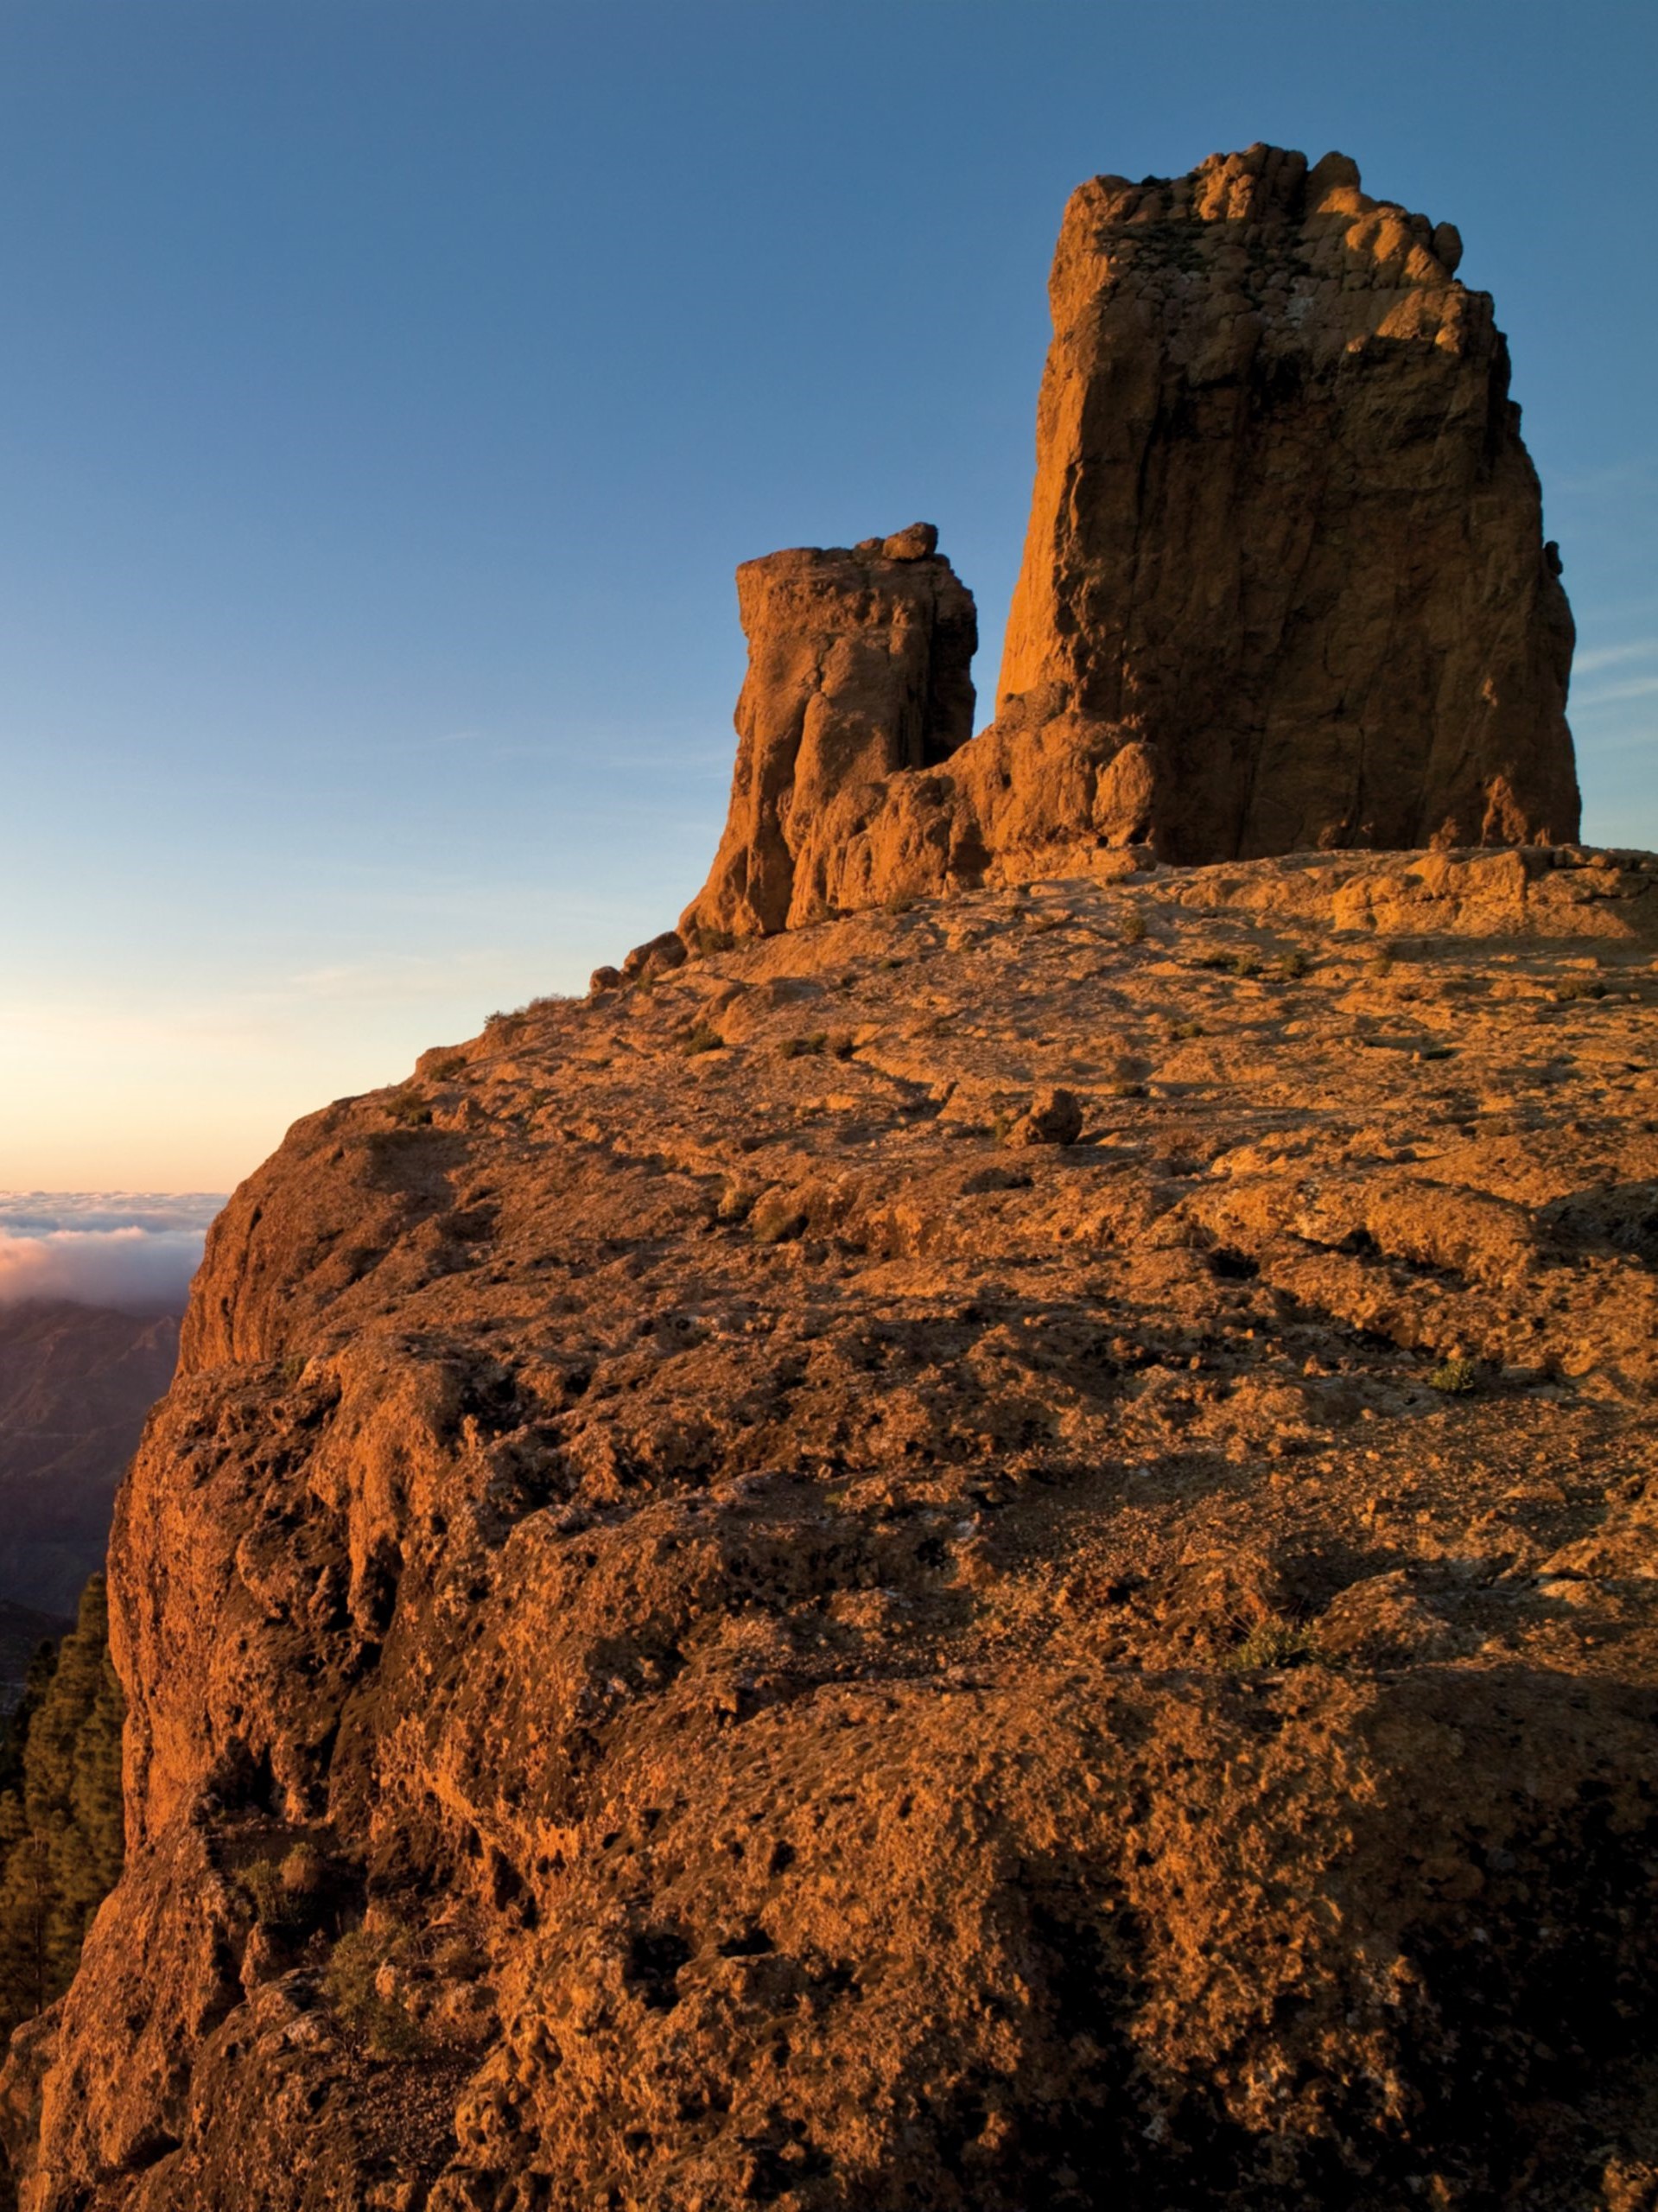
[(1642, 687), (1592, 663)]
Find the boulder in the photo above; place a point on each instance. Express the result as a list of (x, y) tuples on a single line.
[(658, 955), (1054, 1117)]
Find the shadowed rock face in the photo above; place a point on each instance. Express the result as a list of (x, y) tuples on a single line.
[(1284, 522)]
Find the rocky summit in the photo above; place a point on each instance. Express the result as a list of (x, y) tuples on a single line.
[(1285, 584), (1284, 525), (982, 1539)]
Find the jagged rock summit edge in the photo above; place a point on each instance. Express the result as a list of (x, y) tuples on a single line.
[(1285, 584)]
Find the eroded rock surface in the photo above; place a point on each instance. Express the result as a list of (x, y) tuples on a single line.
[(856, 783), (702, 1630), (1284, 585), (1284, 523), (858, 668)]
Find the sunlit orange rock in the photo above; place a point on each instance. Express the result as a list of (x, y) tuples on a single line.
[(1284, 523)]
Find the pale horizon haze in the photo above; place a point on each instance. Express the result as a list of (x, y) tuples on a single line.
[(392, 388)]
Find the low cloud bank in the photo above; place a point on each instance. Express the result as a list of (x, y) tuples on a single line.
[(135, 1250)]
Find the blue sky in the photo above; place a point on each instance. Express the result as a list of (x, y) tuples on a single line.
[(391, 389)]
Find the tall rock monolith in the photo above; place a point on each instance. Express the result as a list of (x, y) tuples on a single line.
[(1284, 525)]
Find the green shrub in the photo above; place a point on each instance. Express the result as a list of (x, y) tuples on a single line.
[(1134, 927), (260, 1883), (408, 1109), (352, 1984), (1454, 1377), (304, 1871), (795, 1048), (700, 1038), (1272, 1642)]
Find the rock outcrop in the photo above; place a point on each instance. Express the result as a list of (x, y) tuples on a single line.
[(1285, 584), (858, 669), (702, 1630), (856, 782), (1284, 522)]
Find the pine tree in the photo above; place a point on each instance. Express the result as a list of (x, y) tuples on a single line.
[(60, 1821)]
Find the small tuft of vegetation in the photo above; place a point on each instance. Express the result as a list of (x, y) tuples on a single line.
[(777, 1217), (900, 903), (408, 1110), (451, 1065), (1579, 987), (797, 1048), (1183, 1031), (708, 941), (260, 1883), (700, 1038), (1134, 927), (1454, 1378), (353, 1983), (1296, 964), (1272, 1642)]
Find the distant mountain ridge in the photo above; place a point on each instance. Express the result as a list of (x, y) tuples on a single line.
[(76, 1382)]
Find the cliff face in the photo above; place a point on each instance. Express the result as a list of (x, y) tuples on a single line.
[(702, 1630), (1284, 522)]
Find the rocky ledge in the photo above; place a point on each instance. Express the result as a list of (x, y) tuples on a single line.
[(991, 1555)]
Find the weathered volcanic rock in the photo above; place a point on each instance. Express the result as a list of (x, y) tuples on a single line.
[(700, 1632), (858, 666), (1284, 525), (853, 784), (1285, 586)]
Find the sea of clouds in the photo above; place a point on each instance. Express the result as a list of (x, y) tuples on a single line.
[(133, 1249)]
